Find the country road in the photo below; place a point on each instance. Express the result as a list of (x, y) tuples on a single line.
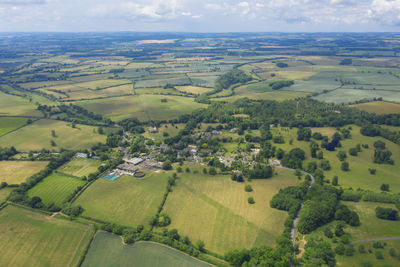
[(296, 219)]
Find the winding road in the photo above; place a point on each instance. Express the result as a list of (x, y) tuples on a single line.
[(296, 219)]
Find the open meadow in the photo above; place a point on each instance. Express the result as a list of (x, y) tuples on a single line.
[(37, 136), (379, 107), (55, 188), (8, 124), (30, 238), (107, 249), (128, 200), (80, 167), (16, 172), (143, 107), (11, 105), (214, 209)]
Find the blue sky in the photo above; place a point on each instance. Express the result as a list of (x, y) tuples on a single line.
[(200, 15)]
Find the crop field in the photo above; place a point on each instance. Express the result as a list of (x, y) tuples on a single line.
[(55, 188), (107, 249), (101, 84), (317, 83), (80, 167), (37, 136), (11, 105), (128, 200), (4, 193), (277, 95), (162, 82), (16, 172), (379, 107), (143, 107), (7, 124), (351, 95), (193, 89), (33, 239), (214, 209)]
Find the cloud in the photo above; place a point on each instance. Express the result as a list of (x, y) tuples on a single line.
[(23, 2)]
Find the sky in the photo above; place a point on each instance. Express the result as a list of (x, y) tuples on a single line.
[(200, 15)]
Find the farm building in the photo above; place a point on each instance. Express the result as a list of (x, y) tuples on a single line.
[(134, 161), (127, 168), (81, 155)]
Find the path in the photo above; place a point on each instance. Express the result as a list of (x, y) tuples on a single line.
[(296, 219)]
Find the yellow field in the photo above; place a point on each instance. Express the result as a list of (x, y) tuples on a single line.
[(16, 172), (99, 84), (214, 209), (379, 107), (193, 89)]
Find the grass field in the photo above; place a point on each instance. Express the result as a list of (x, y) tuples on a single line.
[(16, 172), (32, 239), (108, 250), (4, 193), (277, 95), (7, 124), (128, 200), (143, 107), (37, 136), (379, 107), (358, 176), (100, 84), (55, 188), (11, 105), (214, 209), (80, 167), (351, 95), (165, 128)]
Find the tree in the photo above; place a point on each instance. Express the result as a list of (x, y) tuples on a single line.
[(335, 180), (379, 144), (212, 171), (340, 249), (344, 166), (361, 249), (379, 255), (372, 171), (385, 187), (349, 251), (52, 143), (248, 188), (353, 151), (341, 155), (167, 165), (237, 257), (250, 200), (53, 133), (386, 213), (200, 245), (100, 130)]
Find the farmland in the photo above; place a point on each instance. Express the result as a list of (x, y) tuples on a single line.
[(128, 200), (34, 239), (55, 188), (16, 172), (143, 107), (80, 167), (379, 107), (37, 136), (8, 124), (106, 249), (214, 209), (11, 105)]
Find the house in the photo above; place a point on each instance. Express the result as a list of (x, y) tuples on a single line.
[(134, 161), (215, 132), (127, 168), (153, 129), (81, 155)]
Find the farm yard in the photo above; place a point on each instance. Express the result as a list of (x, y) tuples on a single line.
[(31, 238)]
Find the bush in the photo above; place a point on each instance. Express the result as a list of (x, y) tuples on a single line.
[(349, 251), (344, 166), (361, 249), (340, 249), (379, 255), (248, 188), (73, 211), (393, 252), (386, 213), (250, 200)]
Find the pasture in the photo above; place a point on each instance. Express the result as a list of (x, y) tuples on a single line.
[(358, 176), (55, 188), (37, 136), (107, 249), (379, 107), (197, 90), (80, 167), (16, 172), (128, 200), (11, 105), (351, 95), (4, 193), (169, 129), (8, 124), (101, 84), (143, 107), (32, 239), (214, 209)]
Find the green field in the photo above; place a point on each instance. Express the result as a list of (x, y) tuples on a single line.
[(80, 167), (128, 200), (358, 176), (32, 239), (379, 107), (100, 84), (214, 209), (37, 136), (143, 107), (4, 193), (11, 105), (165, 128), (16, 172), (351, 95), (55, 188), (108, 250), (7, 124)]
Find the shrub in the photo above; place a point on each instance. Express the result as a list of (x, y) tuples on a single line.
[(361, 249), (250, 200), (349, 251), (379, 255), (340, 249), (344, 166), (248, 188)]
